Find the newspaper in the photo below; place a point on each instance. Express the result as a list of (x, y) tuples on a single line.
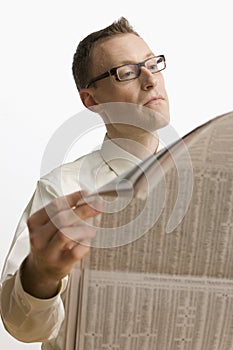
[(160, 288), (156, 312)]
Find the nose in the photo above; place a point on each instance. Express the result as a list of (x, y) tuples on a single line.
[(148, 80)]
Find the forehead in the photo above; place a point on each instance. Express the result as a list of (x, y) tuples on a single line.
[(117, 50)]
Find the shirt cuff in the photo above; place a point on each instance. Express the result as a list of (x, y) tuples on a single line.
[(29, 302)]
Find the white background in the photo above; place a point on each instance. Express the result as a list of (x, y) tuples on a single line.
[(38, 40)]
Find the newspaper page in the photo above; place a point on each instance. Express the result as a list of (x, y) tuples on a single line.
[(159, 290), (150, 311)]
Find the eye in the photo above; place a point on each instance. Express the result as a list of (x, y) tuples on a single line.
[(152, 65), (127, 72)]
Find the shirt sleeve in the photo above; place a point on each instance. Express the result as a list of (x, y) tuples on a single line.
[(25, 317)]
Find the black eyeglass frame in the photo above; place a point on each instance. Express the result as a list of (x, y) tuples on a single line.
[(113, 71)]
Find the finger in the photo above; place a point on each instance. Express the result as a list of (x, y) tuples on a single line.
[(78, 252), (67, 218), (70, 257), (86, 211), (65, 238), (43, 215), (40, 236)]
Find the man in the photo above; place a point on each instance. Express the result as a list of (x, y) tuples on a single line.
[(110, 66)]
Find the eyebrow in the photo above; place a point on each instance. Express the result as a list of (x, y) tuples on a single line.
[(150, 54)]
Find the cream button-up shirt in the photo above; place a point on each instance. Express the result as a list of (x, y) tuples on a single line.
[(30, 319)]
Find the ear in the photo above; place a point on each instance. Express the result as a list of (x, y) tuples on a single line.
[(87, 98)]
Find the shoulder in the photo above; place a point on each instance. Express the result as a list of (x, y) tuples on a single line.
[(73, 176)]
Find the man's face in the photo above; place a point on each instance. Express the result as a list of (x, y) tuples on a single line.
[(143, 91)]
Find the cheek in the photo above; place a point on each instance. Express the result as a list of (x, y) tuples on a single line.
[(124, 96), (161, 81), (119, 95), (128, 93)]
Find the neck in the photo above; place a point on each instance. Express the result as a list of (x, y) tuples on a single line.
[(141, 145)]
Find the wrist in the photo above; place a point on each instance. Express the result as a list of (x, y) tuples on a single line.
[(36, 283)]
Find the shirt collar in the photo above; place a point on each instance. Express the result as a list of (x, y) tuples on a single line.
[(117, 158)]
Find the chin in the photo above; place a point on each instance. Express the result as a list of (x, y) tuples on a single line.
[(156, 118)]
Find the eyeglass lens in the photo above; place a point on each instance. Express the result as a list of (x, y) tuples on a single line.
[(131, 71)]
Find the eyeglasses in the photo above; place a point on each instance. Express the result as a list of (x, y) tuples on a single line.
[(132, 71)]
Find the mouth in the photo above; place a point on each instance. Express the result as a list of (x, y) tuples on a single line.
[(154, 100)]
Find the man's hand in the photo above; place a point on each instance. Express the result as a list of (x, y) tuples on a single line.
[(53, 253)]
